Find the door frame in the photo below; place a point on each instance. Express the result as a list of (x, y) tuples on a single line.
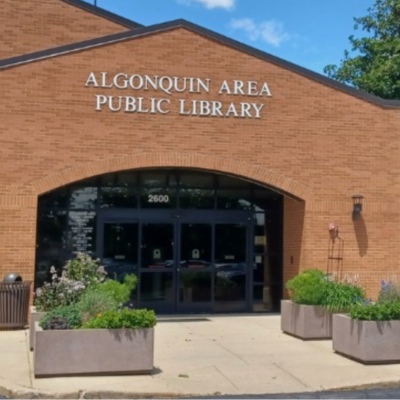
[(177, 218)]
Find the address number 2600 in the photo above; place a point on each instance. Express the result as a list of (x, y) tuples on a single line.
[(158, 198)]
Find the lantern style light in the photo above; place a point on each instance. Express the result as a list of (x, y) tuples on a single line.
[(357, 206)]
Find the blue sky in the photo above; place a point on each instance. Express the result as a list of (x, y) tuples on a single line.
[(310, 33)]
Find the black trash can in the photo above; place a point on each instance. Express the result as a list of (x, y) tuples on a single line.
[(14, 302)]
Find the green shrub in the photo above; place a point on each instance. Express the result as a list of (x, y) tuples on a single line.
[(341, 296), (66, 317), (384, 311), (140, 318), (120, 292), (95, 302), (130, 281), (308, 287)]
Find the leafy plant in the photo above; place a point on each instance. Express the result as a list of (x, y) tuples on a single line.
[(95, 302), (380, 311), (389, 291), (120, 292), (341, 296), (66, 317), (140, 318), (224, 282), (308, 287)]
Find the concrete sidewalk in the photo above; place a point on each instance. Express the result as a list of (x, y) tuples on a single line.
[(234, 355)]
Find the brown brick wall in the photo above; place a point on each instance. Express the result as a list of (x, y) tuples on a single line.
[(32, 25), (314, 142)]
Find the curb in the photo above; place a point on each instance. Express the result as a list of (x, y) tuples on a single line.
[(14, 391), (82, 394), (20, 392)]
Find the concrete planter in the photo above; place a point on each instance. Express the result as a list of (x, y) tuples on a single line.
[(305, 322), (370, 342), (93, 352), (35, 316)]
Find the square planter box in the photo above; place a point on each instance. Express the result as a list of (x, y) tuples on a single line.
[(370, 342), (93, 352), (305, 322), (35, 316)]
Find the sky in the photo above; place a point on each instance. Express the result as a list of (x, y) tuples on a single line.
[(309, 33)]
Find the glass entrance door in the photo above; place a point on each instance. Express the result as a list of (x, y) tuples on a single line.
[(184, 264), (175, 268), (118, 241), (231, 272), (158, 266), (194, 272)]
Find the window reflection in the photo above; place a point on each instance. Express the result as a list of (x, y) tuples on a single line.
[(196, 246), (51, 243), (231, 268), (120, 251), (159, 179), (234, 200), (199, 199), (157, 246), (194, 287), (83, 198), (157, 287), (196, 180), (118, 197), (229, 182)]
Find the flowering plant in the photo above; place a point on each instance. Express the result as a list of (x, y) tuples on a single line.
[(85, 269), (76, 276), (386, 308), (389, 291)]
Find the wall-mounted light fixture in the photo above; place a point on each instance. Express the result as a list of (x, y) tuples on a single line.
[(357, 205)]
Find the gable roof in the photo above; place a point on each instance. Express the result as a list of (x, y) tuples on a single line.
[(181, 23), (103, 13)]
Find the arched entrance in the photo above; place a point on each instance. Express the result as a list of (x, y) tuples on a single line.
[(198, 241)]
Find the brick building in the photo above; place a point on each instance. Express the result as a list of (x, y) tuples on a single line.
[(211, 169)]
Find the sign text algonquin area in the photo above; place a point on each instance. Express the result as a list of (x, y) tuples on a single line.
[(175, 85)]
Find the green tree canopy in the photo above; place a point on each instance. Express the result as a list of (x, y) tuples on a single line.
[(375, 64)]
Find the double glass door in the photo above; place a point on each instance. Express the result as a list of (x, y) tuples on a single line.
[(184, 263)]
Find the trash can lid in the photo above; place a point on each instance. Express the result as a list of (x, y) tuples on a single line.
[(12, 277)]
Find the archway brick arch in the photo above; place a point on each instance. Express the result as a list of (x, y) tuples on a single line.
[(256, 173)]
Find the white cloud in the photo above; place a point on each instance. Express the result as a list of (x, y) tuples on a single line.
[(210, 4), (271, 31)]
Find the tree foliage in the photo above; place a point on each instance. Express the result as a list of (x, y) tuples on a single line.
[(375, 64)]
